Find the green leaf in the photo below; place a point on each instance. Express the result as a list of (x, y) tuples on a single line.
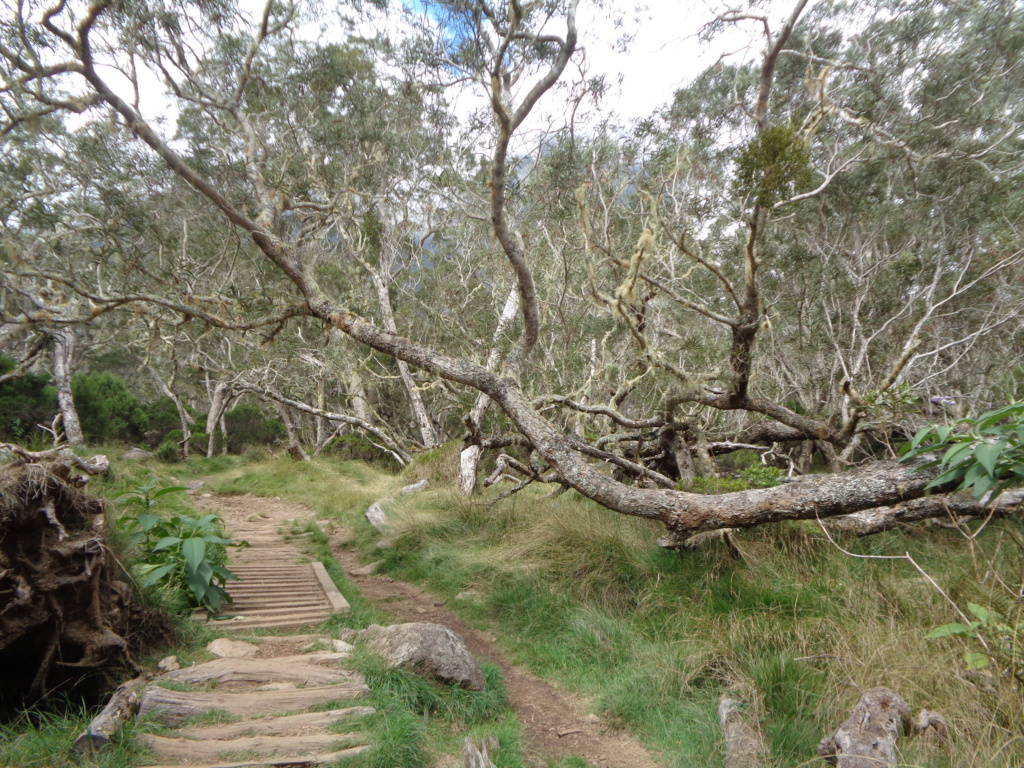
[(988, 455), (946, 630), (194, 551), (147, 521), (198, 585), (155, 575), (976, 660), (224, 574), (165, 491), (980, 611), (166, 542)]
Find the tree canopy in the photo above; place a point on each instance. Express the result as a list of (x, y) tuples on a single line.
[(806, 253)]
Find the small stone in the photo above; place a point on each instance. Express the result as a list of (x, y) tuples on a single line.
[(470, 595), (206, 496), (231, 649), (367, 570), (385, 543), (348, 635), (375, 515), (592, 718), (137, 454), (340, 646), (168, 664), (416, 486)]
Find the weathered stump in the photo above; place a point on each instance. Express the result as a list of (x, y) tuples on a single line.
[(867, 738)]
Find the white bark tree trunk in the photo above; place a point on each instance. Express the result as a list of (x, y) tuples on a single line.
[(419, 410), (183, 415), (295, 449), (469, 459), (218, 404), (63, 350)]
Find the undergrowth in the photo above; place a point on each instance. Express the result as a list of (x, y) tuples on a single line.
[(653, 637)]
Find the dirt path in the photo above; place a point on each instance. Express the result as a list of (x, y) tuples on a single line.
[(556, 724)]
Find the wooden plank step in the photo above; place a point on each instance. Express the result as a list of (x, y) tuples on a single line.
[(305, 761), (172, 707), (306, 722), (270, 613), (244, 625), (253, 604), (268, 746), (259, 671)]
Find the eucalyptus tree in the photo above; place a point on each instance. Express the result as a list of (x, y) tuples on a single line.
[(264, 148)]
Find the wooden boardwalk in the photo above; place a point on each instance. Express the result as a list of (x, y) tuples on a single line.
[(282, 700)]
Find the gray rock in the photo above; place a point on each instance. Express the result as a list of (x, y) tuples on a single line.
[(429, 650), (366, 570), (375, 515), (416, 486), (470, 595), (231, 649), (137, 454)]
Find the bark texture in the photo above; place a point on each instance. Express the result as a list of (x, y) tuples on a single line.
[(63, 351), (867, 739)]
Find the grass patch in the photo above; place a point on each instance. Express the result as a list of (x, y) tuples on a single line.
[(653, 637), (44, 740)]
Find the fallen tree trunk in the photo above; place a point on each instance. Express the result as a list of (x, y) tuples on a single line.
[(956, 508)]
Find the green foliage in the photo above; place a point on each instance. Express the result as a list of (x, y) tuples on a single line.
[(183, 554), (893, 403), (45, 739), (712, 486), (248, 426), (773, 166), (355, 447), (998, 640), (106, 409), (986, 456), (168, 451), (25, 401), (761, 476), (161, 418)]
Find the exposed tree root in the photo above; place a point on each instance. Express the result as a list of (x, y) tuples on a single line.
[(67, 615)]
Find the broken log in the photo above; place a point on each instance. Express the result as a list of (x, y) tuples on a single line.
[(743, 745), (478, 754), (867, 738), (285, 725), (264, 746), (120, 709)]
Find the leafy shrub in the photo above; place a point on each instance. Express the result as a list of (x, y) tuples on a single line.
[(761, 476), (106, 409), (24, 402), (161, 418), (248, 426), (184, 554), (168, 451), (986, 454), (355, 447)]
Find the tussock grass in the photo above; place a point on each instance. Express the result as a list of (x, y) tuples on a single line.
[(44, 740), (652, 637)]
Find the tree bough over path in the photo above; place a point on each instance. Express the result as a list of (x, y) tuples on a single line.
[(824, 137)]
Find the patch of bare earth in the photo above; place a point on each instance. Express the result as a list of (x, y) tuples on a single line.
[(556, 723)]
